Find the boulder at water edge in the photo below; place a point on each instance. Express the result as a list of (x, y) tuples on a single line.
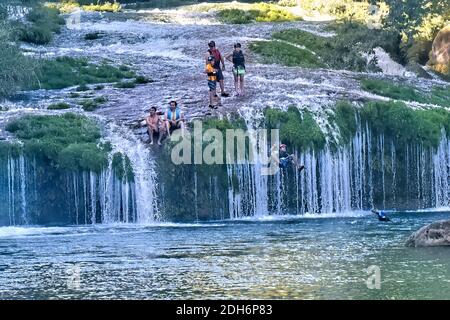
[(434, 234), (440, 52)]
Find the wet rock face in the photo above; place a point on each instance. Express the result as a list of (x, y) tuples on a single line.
[(440, 53), (434, 234)]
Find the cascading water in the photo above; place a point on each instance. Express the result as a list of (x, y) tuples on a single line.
[(31, 193), (138, 197), (251, 197), (360, 175)]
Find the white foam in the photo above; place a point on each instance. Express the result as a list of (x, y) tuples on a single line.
[(349, 214), (6, 232)]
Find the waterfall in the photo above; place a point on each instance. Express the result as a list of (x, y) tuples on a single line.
[(370, 170), (251, 197), (359, 175), (441, 174), (130, 200), (29, 195)]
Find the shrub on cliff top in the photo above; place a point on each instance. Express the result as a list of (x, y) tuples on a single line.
[(66, 141), (258, 12), (344, 117), (404, 124), (438, 95), (43, 22), (64, 72), (298, 130)]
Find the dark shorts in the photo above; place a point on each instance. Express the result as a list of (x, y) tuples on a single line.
[(173, 127), (212, 85), (219, 74)]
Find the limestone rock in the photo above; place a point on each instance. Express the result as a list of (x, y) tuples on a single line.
[(434, 234), (440, 52)]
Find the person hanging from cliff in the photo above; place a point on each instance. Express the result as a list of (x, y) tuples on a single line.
[(284, 159), (211, 72), (154, 125), (174, 118), (381, 215), (218, 60), (238, 60)]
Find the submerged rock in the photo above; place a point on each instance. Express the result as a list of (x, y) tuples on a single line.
[(434, 234)]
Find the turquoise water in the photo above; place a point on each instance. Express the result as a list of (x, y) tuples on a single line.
[(279, 258)]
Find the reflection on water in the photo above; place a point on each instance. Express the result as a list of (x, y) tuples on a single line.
[(286, 258)]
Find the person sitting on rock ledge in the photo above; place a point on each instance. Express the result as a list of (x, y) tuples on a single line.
[(174, 118), (154, 125), (381, 215)]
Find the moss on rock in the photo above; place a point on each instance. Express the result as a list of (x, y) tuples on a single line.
[(298, 130), (406, 125), (66, 141), (438, 95)]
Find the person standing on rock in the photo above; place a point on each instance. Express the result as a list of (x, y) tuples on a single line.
[(211, 72), (238, 60), (218, 60)]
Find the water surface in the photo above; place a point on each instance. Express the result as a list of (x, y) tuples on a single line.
[(276, 258)]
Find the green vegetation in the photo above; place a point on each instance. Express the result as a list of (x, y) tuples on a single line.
[(287, 54), (406, 125), (74, 95), (396, 120), (99, 87), (58, 106), (92, 36), (68, 141), (149, 4), (92, 104), (65, 72), (142, 80), (342, 51), (125, 84), (259, 12), (342, 9), (68, 6), (438, 96), (8, 149), (299, 130), (43, 22), (82, 88), (16, 70), (344, 118)]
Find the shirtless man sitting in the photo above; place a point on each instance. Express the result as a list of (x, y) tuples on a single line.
[(154, 125)]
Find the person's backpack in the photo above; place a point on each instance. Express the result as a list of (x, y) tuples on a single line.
[(238, 58), (216, 54)]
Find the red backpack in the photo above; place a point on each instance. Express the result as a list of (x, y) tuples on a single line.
[(216, 54)]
